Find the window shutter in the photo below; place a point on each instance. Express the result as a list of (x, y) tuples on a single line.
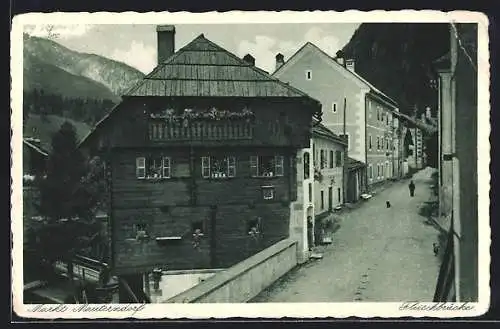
[(205, 167), (278, 165), (140, 167), (231, 166), (166, 167), (254, 165)]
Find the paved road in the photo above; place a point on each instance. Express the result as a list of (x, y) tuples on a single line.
[(377, 255)]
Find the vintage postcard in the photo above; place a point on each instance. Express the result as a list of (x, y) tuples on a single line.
[(289, 164)]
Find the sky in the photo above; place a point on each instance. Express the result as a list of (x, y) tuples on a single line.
[(135, 44)]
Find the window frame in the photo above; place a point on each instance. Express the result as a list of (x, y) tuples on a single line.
[(140, 167), (206, 165), (322, 204), (279, 166), (339, 157), (268, 188), (141, 164), (308, 75)]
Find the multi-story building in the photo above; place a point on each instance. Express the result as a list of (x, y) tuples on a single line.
[(458, 169), (351, 106), (320, 184), (201, 155)]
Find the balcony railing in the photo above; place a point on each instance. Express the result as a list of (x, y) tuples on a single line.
[(200, 130)]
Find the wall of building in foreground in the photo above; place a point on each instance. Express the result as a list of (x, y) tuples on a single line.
[(245, 280)]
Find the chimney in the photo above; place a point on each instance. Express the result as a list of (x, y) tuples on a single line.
[(280, 60), (340, 57), (249, 59), (349, 64), (166, 42), (428, 113)]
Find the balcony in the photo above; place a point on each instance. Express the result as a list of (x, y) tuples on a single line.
[(165, 131)]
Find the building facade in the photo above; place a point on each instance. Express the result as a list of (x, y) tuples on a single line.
[(201, 155), (458, 108), (350, 106), (328, 164), (320, 185)]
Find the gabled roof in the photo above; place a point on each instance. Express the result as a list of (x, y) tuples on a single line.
[(321, 130), (353, 164), (202, 68), (430, 129), (340, 67)]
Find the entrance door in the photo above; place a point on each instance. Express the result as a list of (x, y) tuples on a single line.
[(330, 198)]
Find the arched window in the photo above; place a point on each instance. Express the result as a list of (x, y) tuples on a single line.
[(306, 165)]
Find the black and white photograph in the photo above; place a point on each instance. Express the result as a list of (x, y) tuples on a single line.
[(290, 164)]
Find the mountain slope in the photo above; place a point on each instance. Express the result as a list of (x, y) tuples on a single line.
[(397, 58), (38, 75), (41, 54)]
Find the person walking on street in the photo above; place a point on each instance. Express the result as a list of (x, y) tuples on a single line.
[(412, 188)]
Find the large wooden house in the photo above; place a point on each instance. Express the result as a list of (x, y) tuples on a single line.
[(200, 156)]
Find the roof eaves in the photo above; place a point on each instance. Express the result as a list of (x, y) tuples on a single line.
[(36, 148)]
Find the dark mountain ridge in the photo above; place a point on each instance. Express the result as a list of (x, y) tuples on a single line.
[(397, 58)]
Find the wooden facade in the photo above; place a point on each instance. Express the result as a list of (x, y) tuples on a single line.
[(201, 174)]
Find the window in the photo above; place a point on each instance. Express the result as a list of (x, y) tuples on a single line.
[(268, 192), (378, 113), (308, 75), (378, 143), (141, 231), (306, 165), (339, 195), (331, 159), (266, 166), (152, 167), (198, 227), (310, 192), (334, 107), (254, 225), (370, 142), (370, 172), (338, 158), (322, 159), (218, 167), (387, 143), (322, 200), (369, 109)]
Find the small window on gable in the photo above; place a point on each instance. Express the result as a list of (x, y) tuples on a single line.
[(268, 192), (334, 107), (308, 75), (266, 166)]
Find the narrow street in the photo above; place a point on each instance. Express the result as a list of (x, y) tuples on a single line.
[(379, 254)]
